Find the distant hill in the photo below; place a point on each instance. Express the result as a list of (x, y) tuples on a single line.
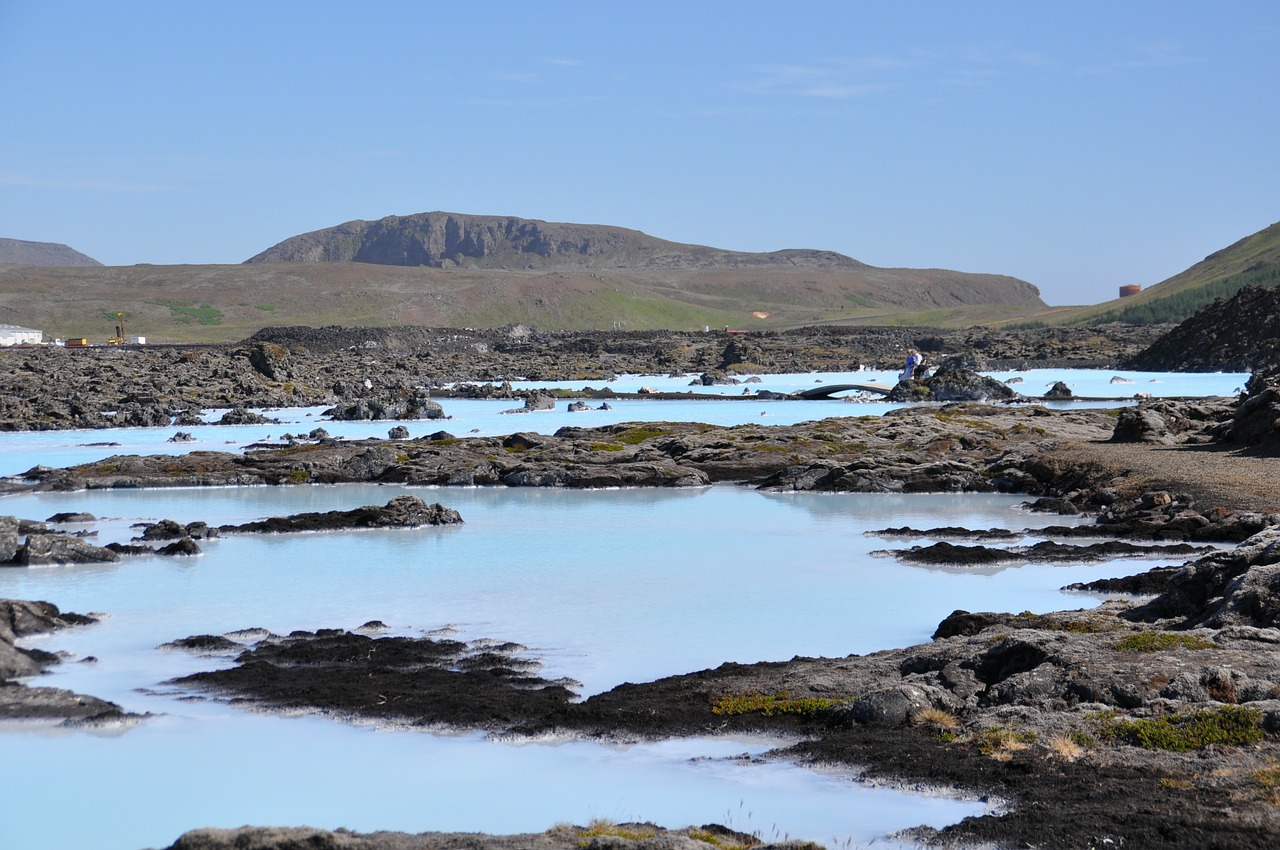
[(451, 240), (18, 252), (1253, 261), (449, 270)]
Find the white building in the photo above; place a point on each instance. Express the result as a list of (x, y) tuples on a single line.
[(14, 335)]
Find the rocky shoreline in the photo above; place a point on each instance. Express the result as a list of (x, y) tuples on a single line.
[(390, 373)]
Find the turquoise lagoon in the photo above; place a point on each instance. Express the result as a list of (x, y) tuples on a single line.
[(603, 587)]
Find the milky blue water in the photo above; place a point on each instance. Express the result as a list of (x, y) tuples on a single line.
[(604, 587), (1088, 383)]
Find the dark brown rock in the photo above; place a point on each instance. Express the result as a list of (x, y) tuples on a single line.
[(61, 549)]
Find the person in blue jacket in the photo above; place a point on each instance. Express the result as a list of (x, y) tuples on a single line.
[(913, 363)]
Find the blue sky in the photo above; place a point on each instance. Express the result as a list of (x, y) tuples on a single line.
[(1076, 145)]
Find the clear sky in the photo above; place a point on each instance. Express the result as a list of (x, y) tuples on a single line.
[(1077, 145)]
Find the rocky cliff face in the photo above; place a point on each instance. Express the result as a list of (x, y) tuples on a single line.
[(1238, 335), (21, 253), (448, 239)]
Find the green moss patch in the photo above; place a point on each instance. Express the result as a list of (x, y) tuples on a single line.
[(1230, 725), (770, 705), (635, 436), (1161, 641)]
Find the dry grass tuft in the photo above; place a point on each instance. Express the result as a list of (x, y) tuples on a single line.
[(1065, 748), (936, 718), (603, 827), (999, 743)]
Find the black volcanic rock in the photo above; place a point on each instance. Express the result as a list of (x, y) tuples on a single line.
[(20, 618), (400, 512), (952, 383), (1257, 419), (1241, 334), (21, 253)]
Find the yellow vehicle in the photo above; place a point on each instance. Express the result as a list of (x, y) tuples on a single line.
[(118, 339), (78, 342)]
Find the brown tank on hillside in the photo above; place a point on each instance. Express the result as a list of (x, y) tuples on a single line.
[(1131, 289)]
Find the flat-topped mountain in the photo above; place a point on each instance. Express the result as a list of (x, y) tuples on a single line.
[(448, 240), (18, 252)]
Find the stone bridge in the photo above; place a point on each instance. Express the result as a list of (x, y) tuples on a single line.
[(829, 390)]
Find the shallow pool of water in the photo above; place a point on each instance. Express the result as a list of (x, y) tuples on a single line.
[(602, 586)]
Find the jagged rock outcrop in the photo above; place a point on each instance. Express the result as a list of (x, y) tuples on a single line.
[(388, 402), (1171, 423), (168, 529), (1257, 418), (240, 416), (270, 360), (953, 382), (8, 538), (1241, 334), (741, 352), (1252, 420), (536, 400), (1239, 586)]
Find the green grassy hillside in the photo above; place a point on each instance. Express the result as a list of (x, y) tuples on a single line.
[(229, 303), (1253, 261)]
